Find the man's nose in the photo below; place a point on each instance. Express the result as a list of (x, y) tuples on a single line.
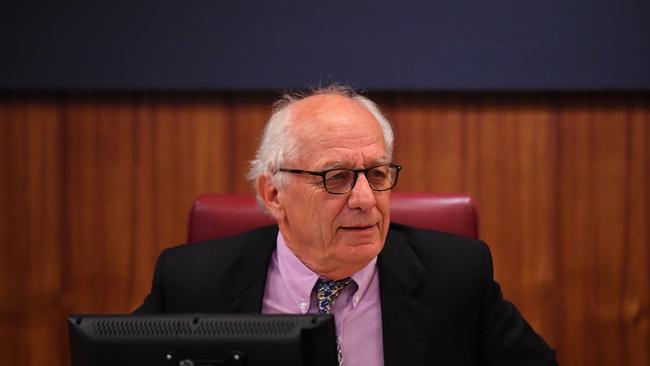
[(361, 195)]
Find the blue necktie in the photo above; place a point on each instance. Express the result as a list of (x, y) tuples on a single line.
[(327, 291)]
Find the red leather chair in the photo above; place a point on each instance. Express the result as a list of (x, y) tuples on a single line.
[(222, 215)]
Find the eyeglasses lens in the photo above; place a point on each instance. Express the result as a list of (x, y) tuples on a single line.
[(380, 178), (339, 180)]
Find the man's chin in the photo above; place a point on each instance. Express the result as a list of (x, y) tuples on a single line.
[(360, 244), (363, 250)]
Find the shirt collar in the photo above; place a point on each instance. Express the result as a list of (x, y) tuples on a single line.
[(363, 279), (300, 280)]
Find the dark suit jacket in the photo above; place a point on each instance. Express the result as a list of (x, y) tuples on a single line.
[(439, 302)]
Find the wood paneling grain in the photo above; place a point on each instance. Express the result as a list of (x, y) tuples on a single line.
[(94, 186)]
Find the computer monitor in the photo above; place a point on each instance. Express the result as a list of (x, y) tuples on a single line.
[(205, 340)]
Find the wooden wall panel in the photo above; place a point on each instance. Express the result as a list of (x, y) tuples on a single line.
[(94, 186), (30, 259)]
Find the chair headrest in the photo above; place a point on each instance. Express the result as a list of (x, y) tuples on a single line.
[(222, 215)]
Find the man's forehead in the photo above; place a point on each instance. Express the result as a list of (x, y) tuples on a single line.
[(319, 117), (336, 131), (323, 106)]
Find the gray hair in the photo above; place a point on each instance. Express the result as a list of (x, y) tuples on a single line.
[(278, 145)]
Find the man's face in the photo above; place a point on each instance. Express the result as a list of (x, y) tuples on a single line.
[(334, 235)]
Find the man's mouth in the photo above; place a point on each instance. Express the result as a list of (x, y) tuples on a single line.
[(358, 228)]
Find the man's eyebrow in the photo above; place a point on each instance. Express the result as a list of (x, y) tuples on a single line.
[(333, 165), (380, 161), (340, 164)]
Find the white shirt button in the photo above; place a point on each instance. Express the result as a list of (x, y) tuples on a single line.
[(303, 306)]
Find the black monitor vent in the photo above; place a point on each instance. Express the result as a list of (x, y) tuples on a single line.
[(142, 327), (245, 328)]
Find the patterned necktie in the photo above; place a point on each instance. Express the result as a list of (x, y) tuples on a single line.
[(327, 291)]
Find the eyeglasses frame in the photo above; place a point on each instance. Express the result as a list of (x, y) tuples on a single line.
[(356, 172)]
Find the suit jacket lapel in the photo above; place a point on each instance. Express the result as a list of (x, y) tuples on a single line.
[(247, 276), (405, 319)]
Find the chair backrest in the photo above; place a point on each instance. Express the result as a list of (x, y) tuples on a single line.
[(221, 215)]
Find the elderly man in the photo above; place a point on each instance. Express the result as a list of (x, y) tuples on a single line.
[(400, 296)]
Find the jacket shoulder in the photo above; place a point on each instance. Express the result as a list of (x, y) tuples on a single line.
[(439, 245), (192, 277), (199, 265)]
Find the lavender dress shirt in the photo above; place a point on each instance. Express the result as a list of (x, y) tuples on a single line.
[(357, 312)]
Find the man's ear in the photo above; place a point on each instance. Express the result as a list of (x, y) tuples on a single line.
[(270, 196)]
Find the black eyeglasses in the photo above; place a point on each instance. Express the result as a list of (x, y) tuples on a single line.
[(342, 180)]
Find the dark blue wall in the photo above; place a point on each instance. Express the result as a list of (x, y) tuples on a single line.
[(376, 45)]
